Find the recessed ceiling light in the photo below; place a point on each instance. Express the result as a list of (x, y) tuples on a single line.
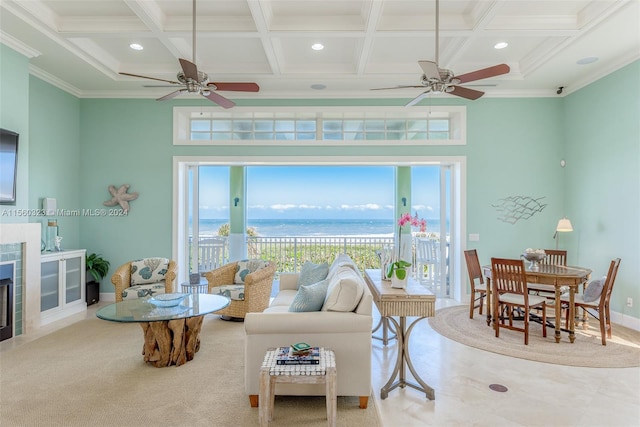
[(136, 46), (500, 45), (317, 46), (318, 86), (587, 60)]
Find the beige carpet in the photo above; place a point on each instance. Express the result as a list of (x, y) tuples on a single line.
[(622, 351), (92, 374)]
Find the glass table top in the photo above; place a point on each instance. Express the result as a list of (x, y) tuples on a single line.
[(143, 309)]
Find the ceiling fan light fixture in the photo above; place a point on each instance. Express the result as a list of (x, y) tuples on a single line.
[(136, 46), (500, 45)]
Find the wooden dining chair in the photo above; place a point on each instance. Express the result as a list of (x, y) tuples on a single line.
[(554, 257), (480, 288), (598, 307), (509, 289)]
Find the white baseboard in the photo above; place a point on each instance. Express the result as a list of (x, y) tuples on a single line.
[(625, 320), (108, 296)]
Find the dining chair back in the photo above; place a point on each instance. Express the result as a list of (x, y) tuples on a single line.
[(599, 308), (476, 280), (509, 289), (555, 257)]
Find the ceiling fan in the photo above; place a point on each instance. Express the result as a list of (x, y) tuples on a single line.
[(195, 81), (440, 80)]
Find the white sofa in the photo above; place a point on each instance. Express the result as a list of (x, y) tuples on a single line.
[(348, 333)]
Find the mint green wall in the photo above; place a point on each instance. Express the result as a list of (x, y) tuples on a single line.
[(14, 116), (54, 123), (602, 140), (514, 147)]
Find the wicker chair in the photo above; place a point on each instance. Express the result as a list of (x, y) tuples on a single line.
[(256, 292), (121, 279)]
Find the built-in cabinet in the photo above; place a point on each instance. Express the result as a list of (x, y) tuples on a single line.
[(62, 284)]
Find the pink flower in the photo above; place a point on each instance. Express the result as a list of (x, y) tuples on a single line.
[(405, 219)]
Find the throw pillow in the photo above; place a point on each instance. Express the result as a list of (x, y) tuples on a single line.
[(309, 297), (593, 290), (342, 260), (311, 273), (148, 270), (248, 266), (345, 290)]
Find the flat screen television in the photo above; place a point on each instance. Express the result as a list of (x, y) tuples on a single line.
[(8, 166)]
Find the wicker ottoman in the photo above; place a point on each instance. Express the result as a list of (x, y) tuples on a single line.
[(271, 373)]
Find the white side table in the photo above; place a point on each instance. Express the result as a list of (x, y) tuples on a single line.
[(322, 373), (197, 288)]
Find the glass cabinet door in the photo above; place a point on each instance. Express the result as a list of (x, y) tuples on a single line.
[(73, 290), (49, 291)]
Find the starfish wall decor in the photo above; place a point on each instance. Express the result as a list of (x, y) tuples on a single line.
[(119, 196)]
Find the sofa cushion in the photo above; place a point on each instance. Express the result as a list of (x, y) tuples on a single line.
[(248, 266), (341, 260), (148, 270), (345, 290), (311, 273), (310, 297), (284, 298), (141, 291), (234, 292)]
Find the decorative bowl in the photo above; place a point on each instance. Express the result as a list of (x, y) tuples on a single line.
[(167, 300), (534, 256)]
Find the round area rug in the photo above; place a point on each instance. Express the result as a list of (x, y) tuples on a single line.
[(621, 351)]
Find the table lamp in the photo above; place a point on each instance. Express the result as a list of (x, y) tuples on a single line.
[(564, 225)]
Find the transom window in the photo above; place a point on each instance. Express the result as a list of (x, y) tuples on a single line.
[(326, 126)]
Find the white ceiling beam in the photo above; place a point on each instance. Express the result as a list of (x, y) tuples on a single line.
[(152, 16), (262, 15), (374, 12)]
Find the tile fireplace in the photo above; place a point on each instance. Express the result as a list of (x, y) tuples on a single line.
[(20, 248)]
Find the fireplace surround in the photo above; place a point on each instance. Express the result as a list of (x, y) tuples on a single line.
[(20, 242)]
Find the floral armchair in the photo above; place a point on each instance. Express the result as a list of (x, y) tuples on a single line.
[(247, 283), (144, 277)]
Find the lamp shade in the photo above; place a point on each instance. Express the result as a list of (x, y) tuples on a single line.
[(564, 225)]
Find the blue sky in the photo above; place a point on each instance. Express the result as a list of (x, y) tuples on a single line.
[(318, 192)]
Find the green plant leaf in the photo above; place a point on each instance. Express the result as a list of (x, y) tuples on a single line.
[(401, 273)]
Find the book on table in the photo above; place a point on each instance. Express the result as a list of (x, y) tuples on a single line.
[(288, 356)]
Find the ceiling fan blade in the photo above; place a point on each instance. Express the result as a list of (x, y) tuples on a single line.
[(220, 100), (152, 78), (417, 99), (189, 69), (172, 95), (397, 87), (430, 69), (238, 87), (485, 73), (465, 92)]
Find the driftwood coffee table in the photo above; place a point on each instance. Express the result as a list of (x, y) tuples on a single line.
[(171, 334)]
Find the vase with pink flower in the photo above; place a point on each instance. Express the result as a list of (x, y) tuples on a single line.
[(398, 269)]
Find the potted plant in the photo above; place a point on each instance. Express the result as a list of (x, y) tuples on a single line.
[(97, 267), (397, 270)]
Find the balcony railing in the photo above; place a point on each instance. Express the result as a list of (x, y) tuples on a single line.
[(292, 251)]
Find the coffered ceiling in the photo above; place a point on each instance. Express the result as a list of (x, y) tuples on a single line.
[(82, 45)]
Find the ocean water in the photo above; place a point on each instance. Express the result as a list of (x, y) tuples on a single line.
[(315, 227)]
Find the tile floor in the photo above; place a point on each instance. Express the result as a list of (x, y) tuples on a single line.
[(539, 394)]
